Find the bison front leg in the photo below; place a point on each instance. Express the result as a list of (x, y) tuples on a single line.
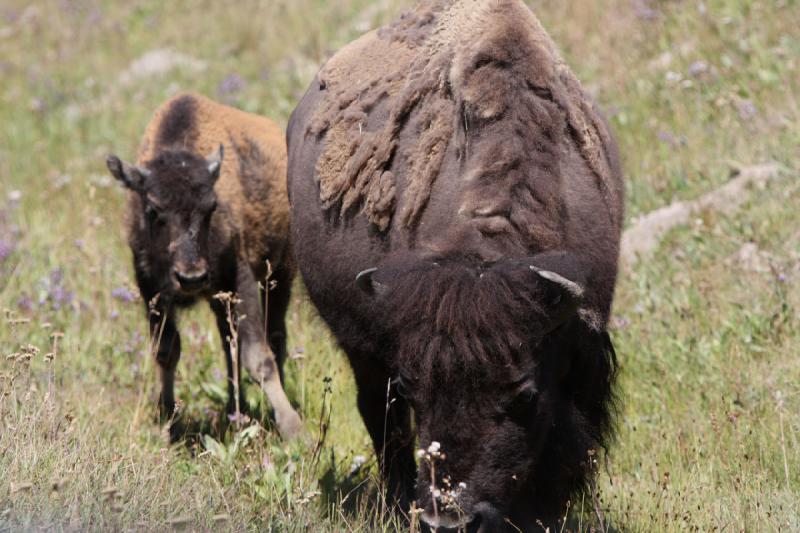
[(387, 417), (234, 378), (167, 347), (258, 358)]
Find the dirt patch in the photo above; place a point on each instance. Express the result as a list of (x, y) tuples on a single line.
[(648, 231)]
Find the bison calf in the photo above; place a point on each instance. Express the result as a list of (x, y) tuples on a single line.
[(201, 224)]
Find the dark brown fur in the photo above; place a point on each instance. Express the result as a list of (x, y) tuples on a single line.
[(493, 287), (195, 232)]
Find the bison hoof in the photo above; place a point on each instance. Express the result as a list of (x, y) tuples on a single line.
[(289, 425)]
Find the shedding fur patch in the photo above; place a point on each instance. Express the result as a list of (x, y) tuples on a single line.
[(478, 80)]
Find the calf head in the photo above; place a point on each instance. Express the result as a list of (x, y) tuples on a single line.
[(177, 203), (479, 354)]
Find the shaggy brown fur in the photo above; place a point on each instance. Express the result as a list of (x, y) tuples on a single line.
[(253, 177), (481, 279), (201, 226), (454, 66)]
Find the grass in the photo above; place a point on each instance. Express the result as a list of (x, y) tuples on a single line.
[(710, 382)]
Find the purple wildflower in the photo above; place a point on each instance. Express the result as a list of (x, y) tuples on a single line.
[(123, 294), (620, 322), (747, 109), (239, 417), (231, 84), (698, 68), (54, 291), (7, 247), (133, 344), (644, 10)]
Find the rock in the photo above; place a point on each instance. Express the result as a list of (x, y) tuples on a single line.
[(157, 63)]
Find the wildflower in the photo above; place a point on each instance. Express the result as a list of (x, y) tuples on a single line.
[(54, 291), (231, 84), (124, 294), (7, 247), (698, 68), (747, 109), (357, 463)]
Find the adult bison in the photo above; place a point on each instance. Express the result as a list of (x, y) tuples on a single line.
[(456, 212)]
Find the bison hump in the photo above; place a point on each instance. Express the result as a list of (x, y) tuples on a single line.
[(464, 77)]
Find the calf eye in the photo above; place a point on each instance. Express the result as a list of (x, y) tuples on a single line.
[(153, 216)]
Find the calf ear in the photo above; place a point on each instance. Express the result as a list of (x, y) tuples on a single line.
[(132, 177), (564, 276), (214, 162)]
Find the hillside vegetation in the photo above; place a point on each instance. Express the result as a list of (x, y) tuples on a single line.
[(706, 327)]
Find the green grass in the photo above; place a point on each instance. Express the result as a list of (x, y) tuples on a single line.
[(710, 382)]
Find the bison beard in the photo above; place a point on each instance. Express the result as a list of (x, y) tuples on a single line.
[(485, 301)]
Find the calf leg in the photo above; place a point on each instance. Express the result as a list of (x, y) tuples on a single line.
[(258, 358), (387, 417), (167, 345), (234, 378), (277, 302)]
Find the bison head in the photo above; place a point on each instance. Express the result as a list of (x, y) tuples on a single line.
[(177, 201), (480, 353)]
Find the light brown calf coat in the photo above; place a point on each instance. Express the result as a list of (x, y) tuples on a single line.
[(200, 226)]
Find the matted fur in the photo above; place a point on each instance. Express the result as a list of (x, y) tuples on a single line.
[(462, 73), (475, 155)]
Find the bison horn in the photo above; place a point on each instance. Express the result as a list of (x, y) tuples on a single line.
[(215, 161), (366, 283), (574, 290)]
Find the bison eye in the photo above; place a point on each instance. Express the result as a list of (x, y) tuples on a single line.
[(525, 401), (401, 387)]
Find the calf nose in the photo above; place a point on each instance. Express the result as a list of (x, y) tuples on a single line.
[(192, 280)]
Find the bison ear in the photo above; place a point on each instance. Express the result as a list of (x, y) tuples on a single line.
[(367, 283), (214, 162), (131, 176)]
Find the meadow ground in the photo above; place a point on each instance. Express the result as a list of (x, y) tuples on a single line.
[(706, 327)]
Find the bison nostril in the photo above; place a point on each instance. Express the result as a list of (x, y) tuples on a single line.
[(487, 518), (191, 280), (446, 522)]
